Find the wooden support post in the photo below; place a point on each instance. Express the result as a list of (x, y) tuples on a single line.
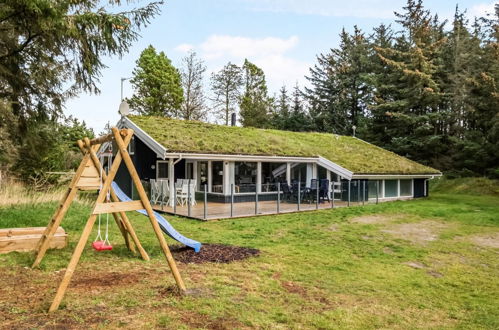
[(88, 227), (59, 213), (147, 206), (126, 225)]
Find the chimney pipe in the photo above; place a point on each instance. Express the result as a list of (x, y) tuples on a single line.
[(233, 119)]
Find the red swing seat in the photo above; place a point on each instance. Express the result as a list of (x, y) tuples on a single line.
[(101, 246)]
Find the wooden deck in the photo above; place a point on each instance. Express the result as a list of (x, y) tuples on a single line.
[(243, 209)]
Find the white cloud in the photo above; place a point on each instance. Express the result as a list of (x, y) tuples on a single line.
[(335, 8), (184, 48), (481, 9), (272, 54), (217, 46)]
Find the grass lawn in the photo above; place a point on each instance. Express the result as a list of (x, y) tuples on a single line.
[(430, 263)]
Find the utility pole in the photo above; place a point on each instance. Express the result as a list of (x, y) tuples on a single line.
[(122, 80)]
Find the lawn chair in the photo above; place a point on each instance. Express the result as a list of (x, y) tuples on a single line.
[(183, 195), (155, 191), (286, 192), (165, 192), (311, 192), (324, 189)]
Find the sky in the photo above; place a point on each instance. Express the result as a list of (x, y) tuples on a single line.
[(283, 37)]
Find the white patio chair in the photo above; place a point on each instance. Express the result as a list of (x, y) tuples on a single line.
[(193, 193), (165, 192), (155, 191), (183, 194)]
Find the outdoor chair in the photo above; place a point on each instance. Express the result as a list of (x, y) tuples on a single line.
[(155, 191), (324, 189), (286, 192), (165, 192), (311, 192), (183, 195)]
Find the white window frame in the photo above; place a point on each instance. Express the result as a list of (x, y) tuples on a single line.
[(412, 188)]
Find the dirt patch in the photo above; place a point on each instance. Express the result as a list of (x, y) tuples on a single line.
[(419, 232), (197, 320), (377, 219), (487, 240), (218, 253), (292, 287), (105, 279)]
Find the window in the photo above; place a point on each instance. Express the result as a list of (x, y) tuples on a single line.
[(161, 170), (391, 188), (271, 174), (372, 188), (131, 146), (406, 187), (217, 174), (245, 176)]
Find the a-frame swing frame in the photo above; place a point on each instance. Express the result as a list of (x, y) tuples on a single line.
[(87, 178)]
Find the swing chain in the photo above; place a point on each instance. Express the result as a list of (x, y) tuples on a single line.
[(108, 198)]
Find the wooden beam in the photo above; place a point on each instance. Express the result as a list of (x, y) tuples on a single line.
[(9, 232), (61, 210), (107, 137), (145, 200), (28, 242), (125, 225), (87, 230), (113, 207)]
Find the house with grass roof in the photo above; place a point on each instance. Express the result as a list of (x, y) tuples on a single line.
[(236, 164)]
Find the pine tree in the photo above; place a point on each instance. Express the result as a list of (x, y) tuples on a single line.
[(255, 103), (157, 85), (52, 50), (339, 95), (415, 120), (226, 86)]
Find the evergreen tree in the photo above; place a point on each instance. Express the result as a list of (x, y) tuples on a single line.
[(52, 50), (226, 86), (340, 94), (415, 121), (157, 85), (255, 103)]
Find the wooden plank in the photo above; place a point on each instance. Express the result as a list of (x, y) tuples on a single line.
[(145, 201), (25, 243), (90, 172), (113, 207), (60, 211), (88, 182), (126, 222), (86, 231), (8, 232)]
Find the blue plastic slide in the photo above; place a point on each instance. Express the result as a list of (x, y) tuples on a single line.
[(163, 224)]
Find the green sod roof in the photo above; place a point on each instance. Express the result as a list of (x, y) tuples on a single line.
[(351, 153)]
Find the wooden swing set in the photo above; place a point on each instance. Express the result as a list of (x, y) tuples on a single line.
[(90, 176)]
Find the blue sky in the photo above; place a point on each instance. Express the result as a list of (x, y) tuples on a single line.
[(281, 36)]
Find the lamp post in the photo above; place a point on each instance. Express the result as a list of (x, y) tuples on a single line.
[(122, 80)]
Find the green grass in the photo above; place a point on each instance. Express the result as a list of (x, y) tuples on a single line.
[(316, 270), (351, 153), (466, 186)]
